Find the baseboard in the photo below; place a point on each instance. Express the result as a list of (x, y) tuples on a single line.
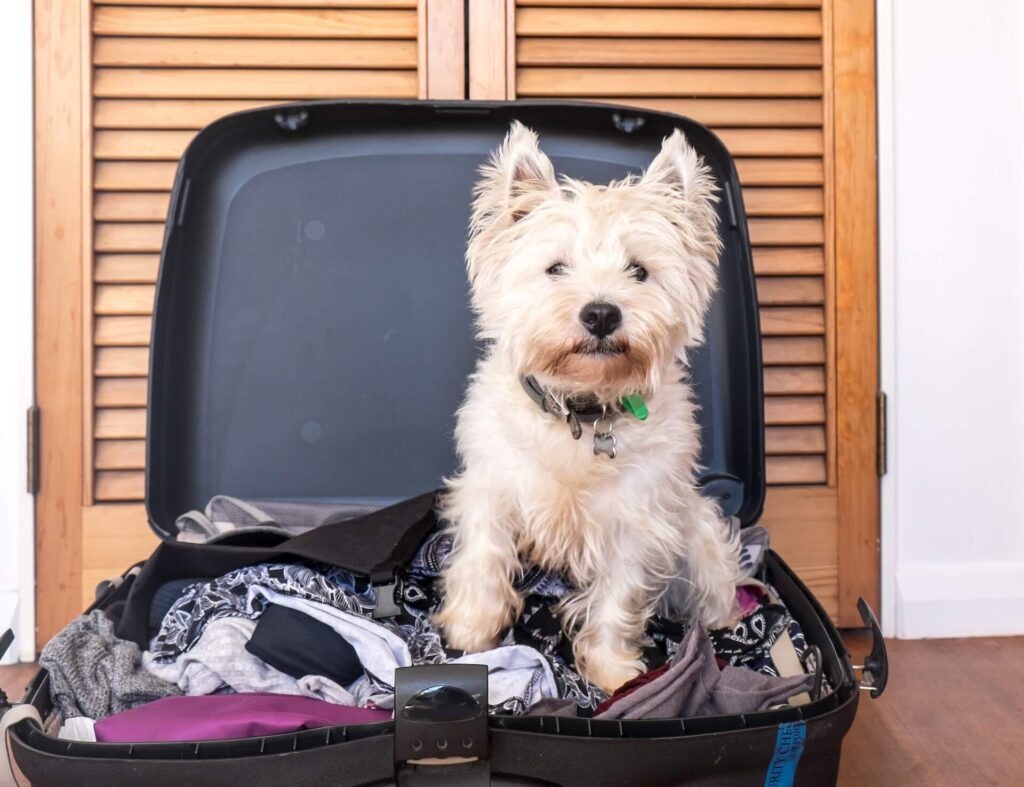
[(960, 600), (9, 620)]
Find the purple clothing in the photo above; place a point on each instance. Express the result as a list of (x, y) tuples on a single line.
[(221, 716)]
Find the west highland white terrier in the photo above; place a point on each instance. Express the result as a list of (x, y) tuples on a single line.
[(577, 438)]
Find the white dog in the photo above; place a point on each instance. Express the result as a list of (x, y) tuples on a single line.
[(577, 438)]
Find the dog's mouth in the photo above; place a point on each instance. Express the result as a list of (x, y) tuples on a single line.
[(600, 347)]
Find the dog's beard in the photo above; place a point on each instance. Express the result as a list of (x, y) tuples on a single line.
[(610, 367)]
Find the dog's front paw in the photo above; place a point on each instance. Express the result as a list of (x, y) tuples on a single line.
[(721, 609), (605, 664), (610, 674), (472, 628)]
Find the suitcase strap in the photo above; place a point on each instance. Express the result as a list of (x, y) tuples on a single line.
[(13, 715), (376, 545)]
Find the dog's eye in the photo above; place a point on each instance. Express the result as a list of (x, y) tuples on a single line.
[(637, 271), (556, 270)]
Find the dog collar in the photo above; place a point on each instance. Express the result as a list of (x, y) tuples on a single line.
[(578, 410)]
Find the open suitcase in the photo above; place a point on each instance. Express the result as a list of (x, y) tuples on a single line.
[(311, 340)]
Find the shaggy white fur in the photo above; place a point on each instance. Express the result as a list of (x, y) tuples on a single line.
[(540, 250)]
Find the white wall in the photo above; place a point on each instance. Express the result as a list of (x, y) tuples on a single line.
[(956, 276), (16, 385)]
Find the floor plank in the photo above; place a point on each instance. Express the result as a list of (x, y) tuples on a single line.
[(952, 715)]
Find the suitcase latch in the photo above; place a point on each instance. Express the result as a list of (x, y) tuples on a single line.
[(441, 725), (875, 669)]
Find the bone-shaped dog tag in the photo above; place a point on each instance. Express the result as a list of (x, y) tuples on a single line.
[(604, 443)]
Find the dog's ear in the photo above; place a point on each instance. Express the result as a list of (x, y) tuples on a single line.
[(689, 196), (516, 179), (679, 167)]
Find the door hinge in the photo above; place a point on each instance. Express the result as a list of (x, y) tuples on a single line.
[(32, 450), (883, 436)]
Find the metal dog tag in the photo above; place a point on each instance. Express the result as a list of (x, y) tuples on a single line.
[(574, 425), (604, 443)]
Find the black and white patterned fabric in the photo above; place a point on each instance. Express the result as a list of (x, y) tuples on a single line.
[(753, 636), (228, 596), (418, 594), (538, 626)]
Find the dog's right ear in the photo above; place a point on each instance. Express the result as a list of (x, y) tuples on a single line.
[(516, 179)]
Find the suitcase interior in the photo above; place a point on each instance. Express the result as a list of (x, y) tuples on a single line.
[(311, 340)]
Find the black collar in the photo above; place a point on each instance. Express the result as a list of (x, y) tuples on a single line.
[(586, 409)]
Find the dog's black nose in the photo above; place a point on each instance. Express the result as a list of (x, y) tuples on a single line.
[(601, 318)]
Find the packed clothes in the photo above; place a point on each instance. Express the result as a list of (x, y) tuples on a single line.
[(284, 628), (93, 673), (691, 684), (217, 717)]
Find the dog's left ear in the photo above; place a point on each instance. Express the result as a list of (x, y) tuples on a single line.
[(691, 196), (679, 167)]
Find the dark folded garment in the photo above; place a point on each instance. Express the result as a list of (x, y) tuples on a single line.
[(298, 645)]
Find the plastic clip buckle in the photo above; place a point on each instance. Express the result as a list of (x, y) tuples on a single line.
[(386, 607)]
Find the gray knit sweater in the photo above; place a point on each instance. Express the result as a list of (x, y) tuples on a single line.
[(95, 674)]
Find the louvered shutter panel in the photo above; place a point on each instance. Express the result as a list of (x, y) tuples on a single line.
[(161, 71), (752, 70)]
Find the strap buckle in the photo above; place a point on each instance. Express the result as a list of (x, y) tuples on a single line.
[(386, 607)]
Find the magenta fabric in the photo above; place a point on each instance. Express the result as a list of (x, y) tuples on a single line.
[(749, 598), (221, 716)]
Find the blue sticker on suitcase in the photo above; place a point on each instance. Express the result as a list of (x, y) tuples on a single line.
[(789, 745)]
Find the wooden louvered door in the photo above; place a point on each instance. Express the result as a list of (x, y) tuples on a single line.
[(788, 85), (122, 86)]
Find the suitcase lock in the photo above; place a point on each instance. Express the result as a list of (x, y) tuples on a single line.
[(441, 725)]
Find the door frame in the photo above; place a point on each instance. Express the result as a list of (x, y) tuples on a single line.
[(17, 573), (61, 237)]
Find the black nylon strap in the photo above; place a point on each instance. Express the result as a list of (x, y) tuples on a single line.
[(375, 545)]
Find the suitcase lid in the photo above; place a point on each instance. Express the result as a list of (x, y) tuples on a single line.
[(311, 331)]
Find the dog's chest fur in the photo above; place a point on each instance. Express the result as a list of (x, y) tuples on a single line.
[(574, 511)]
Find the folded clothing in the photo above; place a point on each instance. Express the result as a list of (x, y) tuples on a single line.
[(691, 684), (166, 597), (754, 642), (221, 658), (228, 596), (518, 676), (94, 674), (225, 716), (220, 661), (296, 644)]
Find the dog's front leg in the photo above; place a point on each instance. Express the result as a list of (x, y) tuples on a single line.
[(612, 613), (713, 561), (479, 599)]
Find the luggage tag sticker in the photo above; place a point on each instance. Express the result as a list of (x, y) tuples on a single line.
[(789, 746)]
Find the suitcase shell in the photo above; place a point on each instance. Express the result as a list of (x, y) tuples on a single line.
[(311, 339)]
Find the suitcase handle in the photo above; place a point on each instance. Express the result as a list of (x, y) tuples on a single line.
[(875, 670), (441, 733)]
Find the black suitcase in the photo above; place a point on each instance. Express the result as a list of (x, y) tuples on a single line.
[(311, 340)]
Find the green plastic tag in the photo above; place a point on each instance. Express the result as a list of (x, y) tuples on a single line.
[(636, 406)]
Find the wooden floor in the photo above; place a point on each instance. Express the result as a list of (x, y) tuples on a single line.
[(953, 715)]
